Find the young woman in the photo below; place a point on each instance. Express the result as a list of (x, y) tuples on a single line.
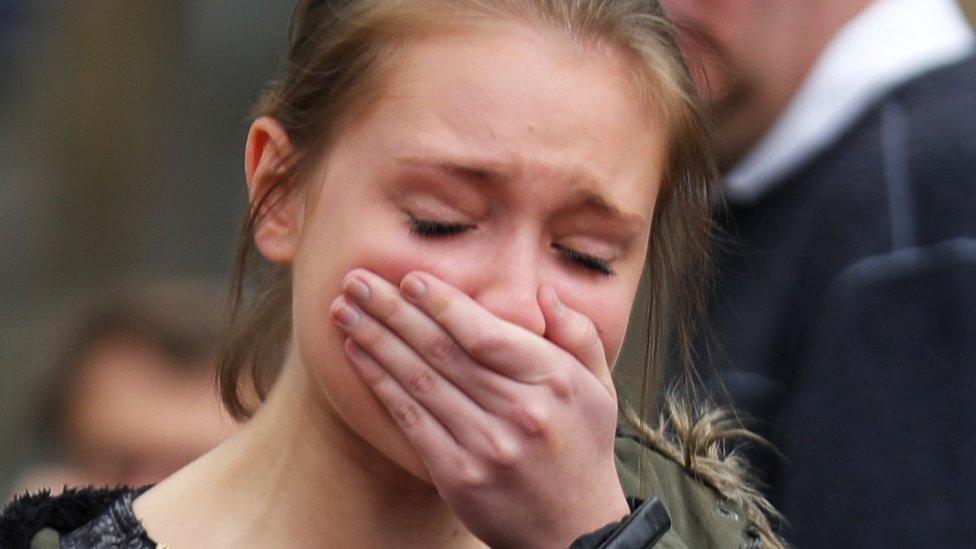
[(459, 198)]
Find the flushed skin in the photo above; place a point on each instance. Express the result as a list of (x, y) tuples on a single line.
[(547, 126), (552, 159), (552, 124)]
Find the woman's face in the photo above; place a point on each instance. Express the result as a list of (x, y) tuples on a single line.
[(537, 156)]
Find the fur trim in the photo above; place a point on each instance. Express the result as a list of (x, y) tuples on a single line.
[(29, 513), (698, 440)]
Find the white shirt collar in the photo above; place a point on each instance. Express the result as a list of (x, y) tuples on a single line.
[(888, 43)]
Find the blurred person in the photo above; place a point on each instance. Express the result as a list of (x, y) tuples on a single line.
[(113, 115), (846, 302), (131, 397), (456, 200)]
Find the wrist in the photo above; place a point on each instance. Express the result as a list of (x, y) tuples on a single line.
[(642, 528), (599, 512)]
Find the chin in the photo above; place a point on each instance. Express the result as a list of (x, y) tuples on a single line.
[(384, 436), (408, 459), (371, 427)]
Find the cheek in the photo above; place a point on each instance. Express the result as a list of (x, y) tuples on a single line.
[(369, 236), (318, 343), (355, 237), (335, 241), (614, 328), (608, 309)]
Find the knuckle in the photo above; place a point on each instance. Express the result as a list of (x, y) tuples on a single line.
[(420, 381), (392, 310), (533, 419), (442, 349), (371, 338), (469, 474), (561, 384), (439, 307), (406, 414), (503, 452), (487, 345)]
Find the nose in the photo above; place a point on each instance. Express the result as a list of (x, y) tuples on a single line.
[(508, 288)]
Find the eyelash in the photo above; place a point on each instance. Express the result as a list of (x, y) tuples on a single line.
[(435, 229), (594, 264)]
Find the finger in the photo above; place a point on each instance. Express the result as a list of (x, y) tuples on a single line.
[(575, 333), (503, 346), (435, 444), (451, 406), (384, 302)]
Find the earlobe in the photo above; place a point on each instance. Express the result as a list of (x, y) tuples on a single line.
[(266, 157)]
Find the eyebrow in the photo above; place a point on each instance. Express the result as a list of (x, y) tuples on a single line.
[(481, 173)]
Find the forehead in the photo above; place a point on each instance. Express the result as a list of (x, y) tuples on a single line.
[(512, 95)]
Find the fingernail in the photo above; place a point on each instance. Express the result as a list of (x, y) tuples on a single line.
[(358, 290), (345, 316), (413, 287)]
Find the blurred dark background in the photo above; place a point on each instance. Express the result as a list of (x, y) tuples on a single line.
[(122, 126)]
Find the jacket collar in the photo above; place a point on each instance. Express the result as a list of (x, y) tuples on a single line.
[(890, 42)]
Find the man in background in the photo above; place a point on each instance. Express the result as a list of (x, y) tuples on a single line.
[(130, 396), (846, 298)]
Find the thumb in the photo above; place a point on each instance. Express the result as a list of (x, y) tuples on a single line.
[(575, 333)]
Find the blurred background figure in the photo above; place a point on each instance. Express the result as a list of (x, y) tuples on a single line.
[(846, 302), (129, 396), (121, 130)]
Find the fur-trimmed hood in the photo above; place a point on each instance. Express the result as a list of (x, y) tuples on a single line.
[(28, 514), (693, 466)]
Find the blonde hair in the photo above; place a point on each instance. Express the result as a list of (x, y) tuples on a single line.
[(337, 53)]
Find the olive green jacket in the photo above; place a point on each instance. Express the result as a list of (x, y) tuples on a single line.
[(700, 518)]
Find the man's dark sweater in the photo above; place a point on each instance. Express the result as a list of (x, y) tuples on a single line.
[(846, 312)]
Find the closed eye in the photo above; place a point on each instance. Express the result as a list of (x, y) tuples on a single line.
[(590, 262), (435, 229)]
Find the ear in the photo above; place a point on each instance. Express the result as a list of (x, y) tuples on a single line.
[(279, 224)]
